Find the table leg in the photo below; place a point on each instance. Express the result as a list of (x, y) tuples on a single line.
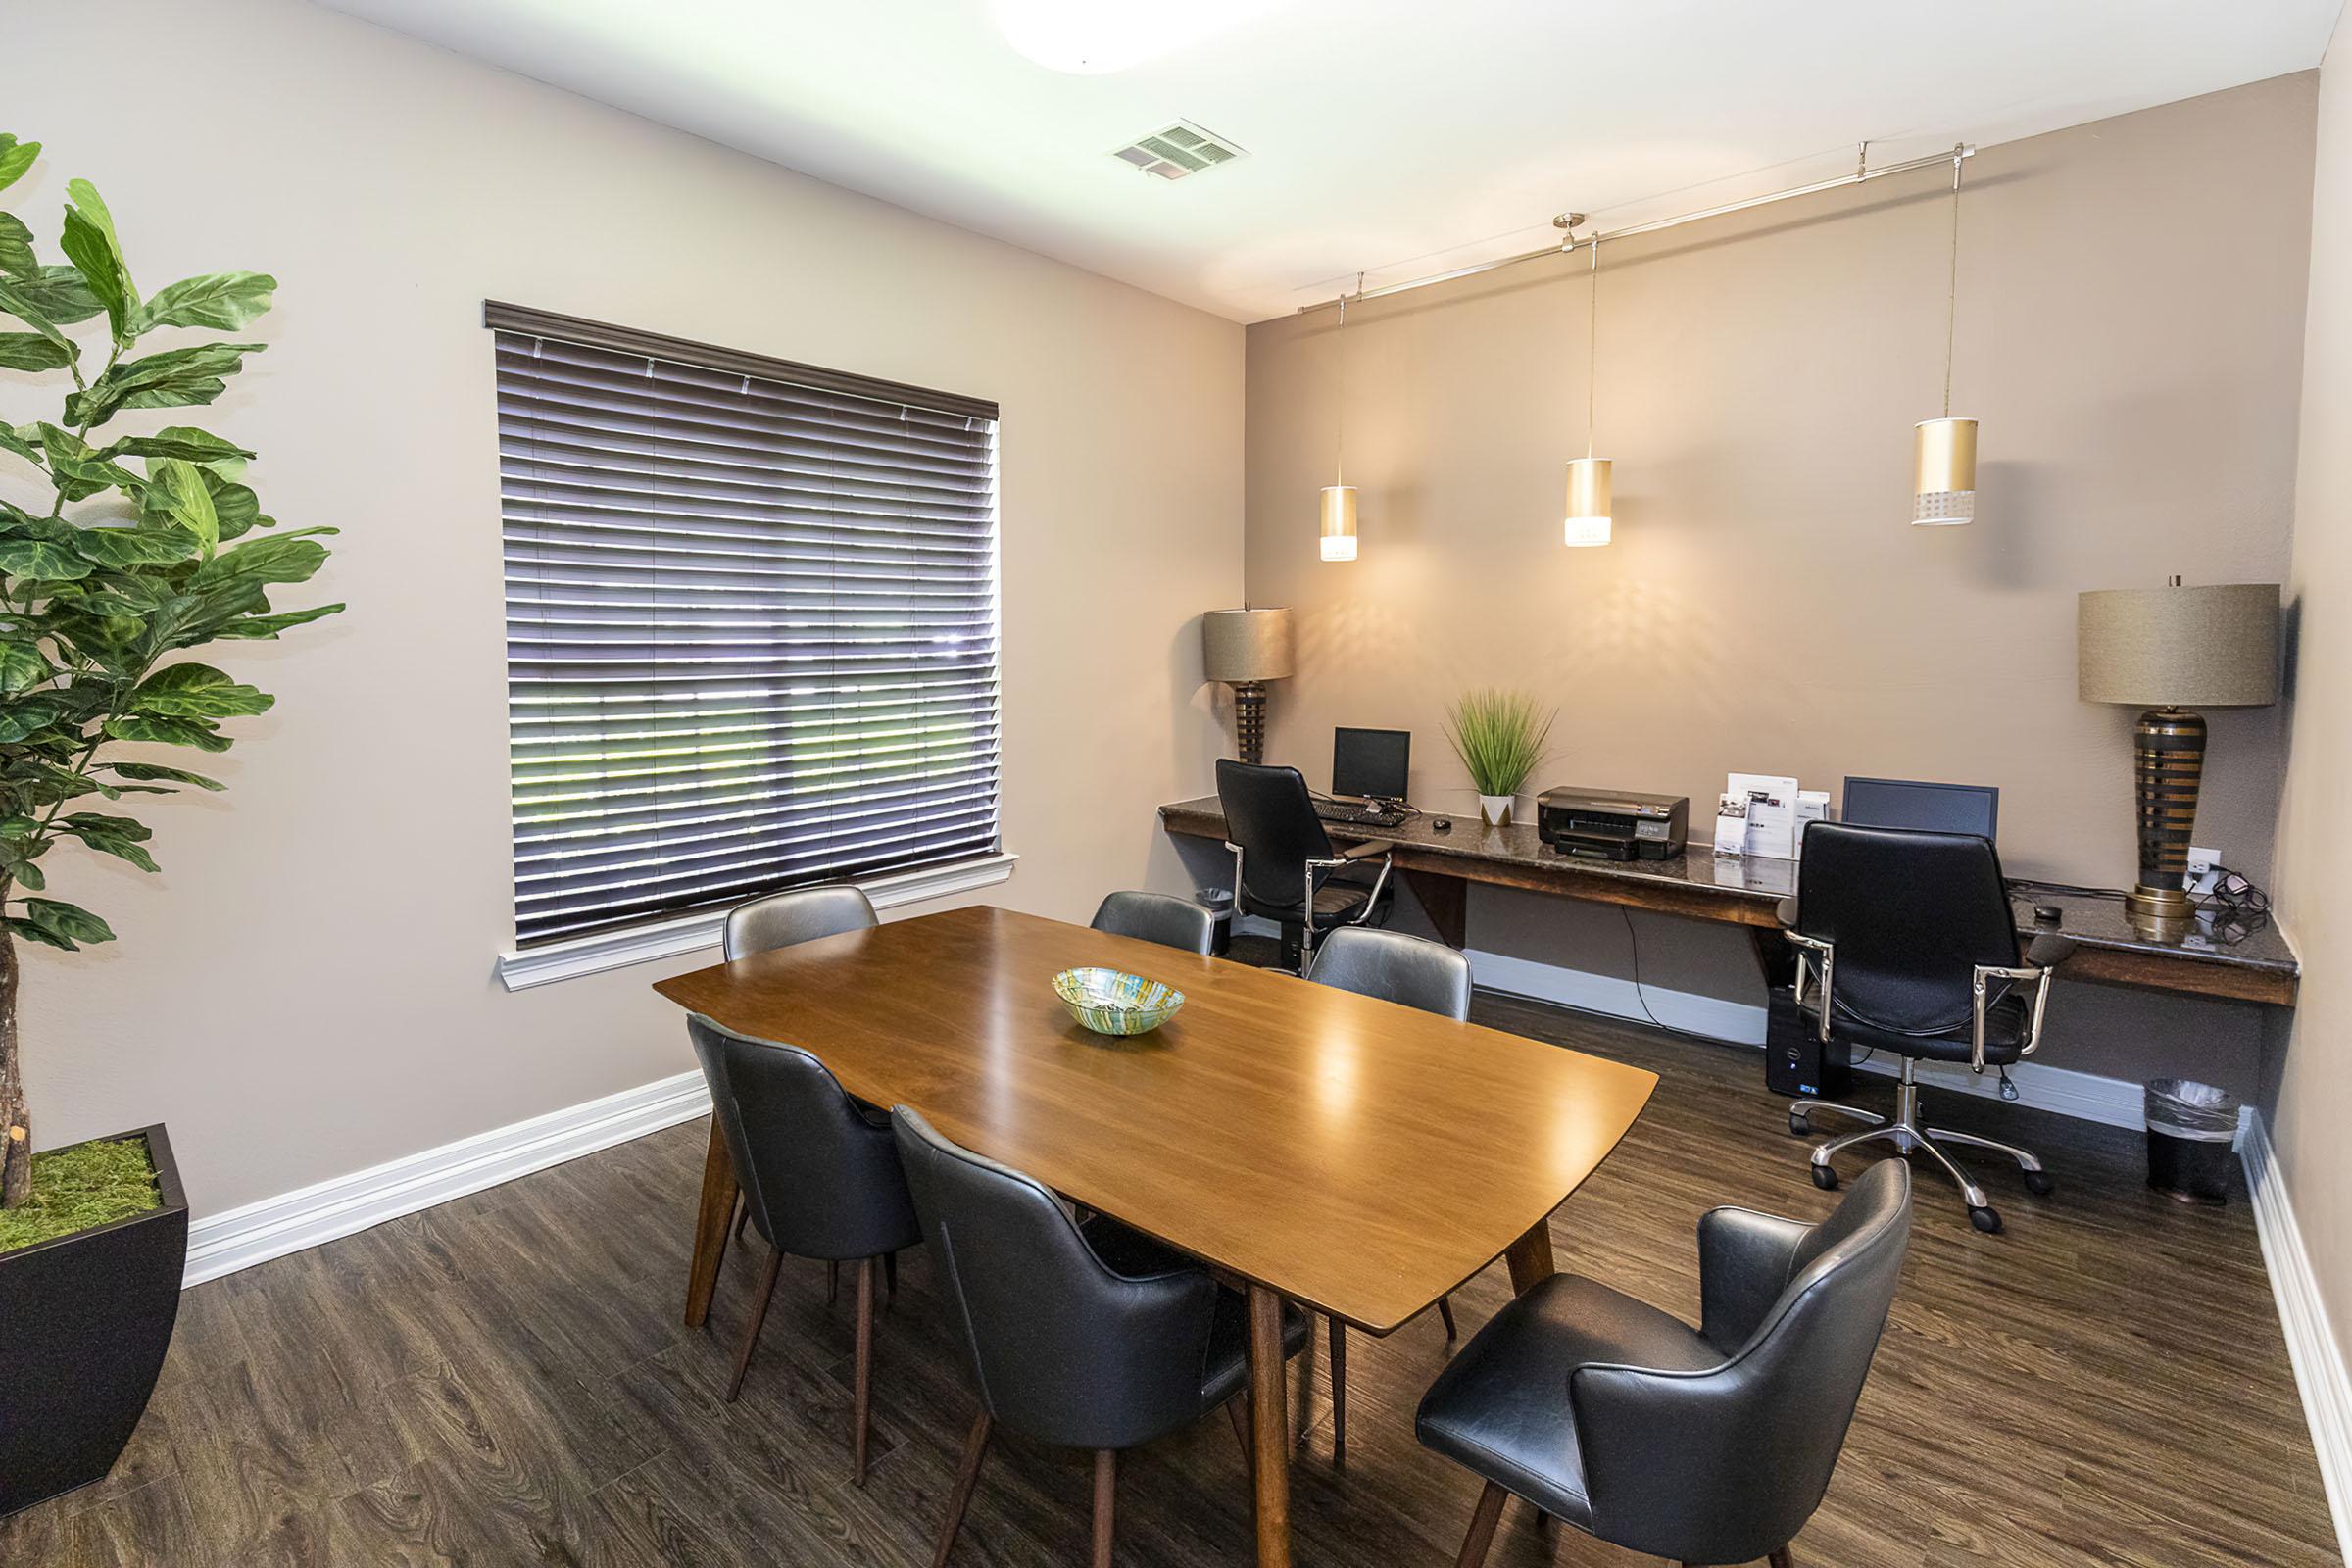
[(1445, 899), (1269, 1421), (711, 1224), (1775, 956), (1530, 1258)]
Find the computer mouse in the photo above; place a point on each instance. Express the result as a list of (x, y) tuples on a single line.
[(1441, 824)]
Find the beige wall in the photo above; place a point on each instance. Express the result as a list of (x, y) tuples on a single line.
[(2315, 855), (2129, 333), (307, 989)]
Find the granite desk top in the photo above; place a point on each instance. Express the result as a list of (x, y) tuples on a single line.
[(2214, 937)]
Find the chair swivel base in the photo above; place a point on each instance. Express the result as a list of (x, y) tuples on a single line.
[(1908, 1133)]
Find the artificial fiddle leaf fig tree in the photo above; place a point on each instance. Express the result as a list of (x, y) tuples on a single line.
[(117, 554)]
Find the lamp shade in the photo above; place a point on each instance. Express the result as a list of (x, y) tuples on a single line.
[(1338, 523), (2210, 647), (1241, 645), (1943, 481), (1589, 502)]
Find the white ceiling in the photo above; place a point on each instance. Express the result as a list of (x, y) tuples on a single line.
[(1393, 137)]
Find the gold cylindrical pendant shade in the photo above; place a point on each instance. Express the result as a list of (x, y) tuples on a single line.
[(1338, 523), (1589, 502), (1944, 481)]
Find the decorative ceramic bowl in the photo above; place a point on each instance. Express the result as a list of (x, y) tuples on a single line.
[(1112, 1001)]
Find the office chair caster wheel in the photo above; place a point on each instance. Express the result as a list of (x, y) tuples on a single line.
[(1985, 1220), (2040, 1182), (1799, 1125), (1825, 1178)]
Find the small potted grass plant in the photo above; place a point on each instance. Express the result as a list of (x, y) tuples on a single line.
[(121, 550), (1499, 737)]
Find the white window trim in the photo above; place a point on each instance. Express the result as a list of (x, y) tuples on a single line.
[(520, 969)]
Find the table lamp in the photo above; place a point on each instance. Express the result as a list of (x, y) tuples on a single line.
[(1246, 649), (2168, 651)]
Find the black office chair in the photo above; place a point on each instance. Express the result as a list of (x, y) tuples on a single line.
[(1283, 867), (1412, 972), (1160, 917), (1906, 943), (1708, 1446), (819, 1180), (1091, 1335)]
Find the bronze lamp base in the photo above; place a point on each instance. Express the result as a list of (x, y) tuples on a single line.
[(2167, 762)]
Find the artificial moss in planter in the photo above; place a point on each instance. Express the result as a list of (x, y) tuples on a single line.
[(86, 1316), (79, 1189)]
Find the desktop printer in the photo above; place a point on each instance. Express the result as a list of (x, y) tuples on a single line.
[(1612, 824)]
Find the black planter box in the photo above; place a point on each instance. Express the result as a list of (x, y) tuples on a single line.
[(84, 1321)]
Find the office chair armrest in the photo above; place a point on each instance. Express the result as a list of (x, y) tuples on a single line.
[(1981, 1003), (1743, 1259), (1785, 912), (1827, 953), (1347, 858)]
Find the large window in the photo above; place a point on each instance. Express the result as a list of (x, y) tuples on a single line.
[(751, 624)]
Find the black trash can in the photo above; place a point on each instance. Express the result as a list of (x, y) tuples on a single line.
[(2192, 1130)]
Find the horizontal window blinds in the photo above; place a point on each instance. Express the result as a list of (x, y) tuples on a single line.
[(751, 626)]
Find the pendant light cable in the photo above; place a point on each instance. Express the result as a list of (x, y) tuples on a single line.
[(1339, 465), (1951, 300), (1592, 348)]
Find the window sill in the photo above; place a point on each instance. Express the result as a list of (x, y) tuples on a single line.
[(567, 960)]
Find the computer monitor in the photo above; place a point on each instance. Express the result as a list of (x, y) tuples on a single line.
[(1370, 762), (1928, 807)]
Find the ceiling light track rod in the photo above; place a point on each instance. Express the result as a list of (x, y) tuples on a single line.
[(1569, 223)]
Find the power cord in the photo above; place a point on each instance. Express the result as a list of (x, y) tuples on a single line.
[(2238, 907), (1633, 941)]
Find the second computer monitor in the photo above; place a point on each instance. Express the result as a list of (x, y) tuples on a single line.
[(1370, 762), (1931, 808)]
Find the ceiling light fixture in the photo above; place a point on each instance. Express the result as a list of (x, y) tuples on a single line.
[(1944, 449), (1590, 489), (1094, 37), (1339, 496)]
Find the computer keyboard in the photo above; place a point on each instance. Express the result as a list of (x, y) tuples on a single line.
[(1358, 815)]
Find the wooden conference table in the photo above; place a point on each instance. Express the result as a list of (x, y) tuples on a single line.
[(1355, 1156)]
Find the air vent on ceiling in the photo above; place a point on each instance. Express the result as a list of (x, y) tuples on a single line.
[(1181, 149)]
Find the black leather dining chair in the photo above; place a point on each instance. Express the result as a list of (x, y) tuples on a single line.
[(819, 1180), (795, 915), (1091, 1336), (1412, 972), (1160, 917), (1284, 866), (1705, 1445), (783, 920), (1910, 948)]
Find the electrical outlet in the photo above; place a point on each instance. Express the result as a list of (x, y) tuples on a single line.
[(2203, 864)]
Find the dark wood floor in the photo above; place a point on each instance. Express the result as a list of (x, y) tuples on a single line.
[(504, 1381)]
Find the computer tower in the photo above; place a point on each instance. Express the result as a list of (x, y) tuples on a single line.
[(1796, 1060)]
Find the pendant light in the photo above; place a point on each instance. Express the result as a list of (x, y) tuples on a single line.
[(1339, 496), (1586, 517), (1945, 451)]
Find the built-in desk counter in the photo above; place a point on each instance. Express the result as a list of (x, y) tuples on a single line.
[(2208, 959)]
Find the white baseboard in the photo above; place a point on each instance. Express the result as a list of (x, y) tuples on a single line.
[(2114, 1101), (1738, 1023), (222, 1244), (2320, 1377)]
